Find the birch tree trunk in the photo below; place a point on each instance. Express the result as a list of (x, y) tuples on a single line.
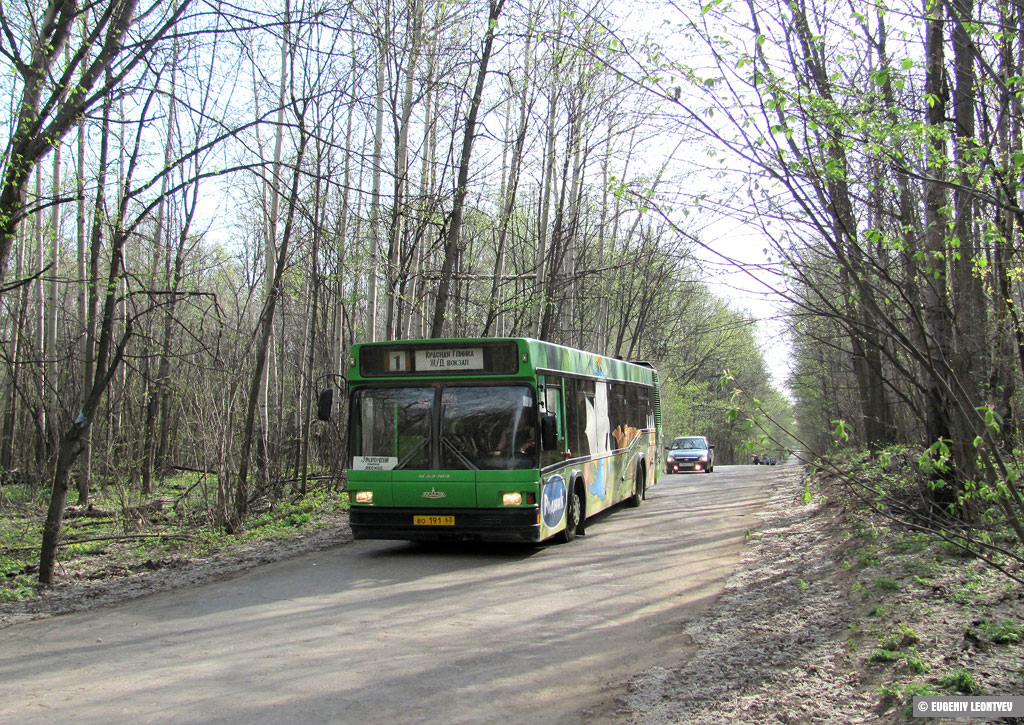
[(511, 187), (378, 163), (397, 245), (936, 310), (454, 226)]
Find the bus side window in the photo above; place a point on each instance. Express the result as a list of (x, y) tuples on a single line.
[(552, 421)]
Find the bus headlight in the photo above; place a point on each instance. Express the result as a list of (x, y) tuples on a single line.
[(512, 499), (361, 496)]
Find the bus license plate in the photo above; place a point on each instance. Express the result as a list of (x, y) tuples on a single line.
[(433, 521)]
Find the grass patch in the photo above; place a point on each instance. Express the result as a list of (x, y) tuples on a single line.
[(967, 593), (922, 570), (14, 589), (890, 692), (1005, 632), (952, 548), (887, 583), (867, 556), (909, 543), (961, 681), (906, 694), (916, 663), (880, 654), (899, 637)]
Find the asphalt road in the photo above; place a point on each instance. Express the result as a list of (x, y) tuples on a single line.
[(390, 632)]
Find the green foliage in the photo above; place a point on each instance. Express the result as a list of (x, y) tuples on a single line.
[(13, 589), (894, 693), (1005, 632), (884, 655), (282, 521), (899, 637), (956, 547), (889, 692), (967, 592), (20, 538), (868, 533), (887, 583), (860, 589), (960, 680), (909, 543), (726, 393), (920, 689), (916, 663), (867, 556)]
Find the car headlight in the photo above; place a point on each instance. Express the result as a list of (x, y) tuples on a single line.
[(703, 459)]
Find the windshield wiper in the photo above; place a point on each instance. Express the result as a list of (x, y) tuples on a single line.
[(408, 456), (446, 441)]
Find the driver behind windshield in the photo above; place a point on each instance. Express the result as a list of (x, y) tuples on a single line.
[(488, 427), (524, 441)]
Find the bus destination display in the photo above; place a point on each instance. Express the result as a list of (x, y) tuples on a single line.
[(423, 358), (459, 358)]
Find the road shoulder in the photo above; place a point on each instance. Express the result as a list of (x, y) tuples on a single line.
[(796, 633)]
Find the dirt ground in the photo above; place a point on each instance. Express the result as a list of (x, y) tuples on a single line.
[(102, 581), (794, 634), (792, 638)]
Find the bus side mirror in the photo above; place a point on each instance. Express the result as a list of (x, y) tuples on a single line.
[(324, 403), (548, 432)]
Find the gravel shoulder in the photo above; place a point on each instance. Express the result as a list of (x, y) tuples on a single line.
[(793, 636)]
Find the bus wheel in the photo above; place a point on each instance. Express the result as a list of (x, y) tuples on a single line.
[(639, 488), (573, 516)]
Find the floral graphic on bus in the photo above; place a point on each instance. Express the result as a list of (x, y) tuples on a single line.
[(624, 435), (597, 485)]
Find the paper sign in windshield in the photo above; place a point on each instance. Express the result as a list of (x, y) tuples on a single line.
[(462, 358), (374, 463)]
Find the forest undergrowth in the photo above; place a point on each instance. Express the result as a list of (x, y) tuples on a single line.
[(122, 535)]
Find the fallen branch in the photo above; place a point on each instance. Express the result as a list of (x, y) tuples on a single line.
[(120, 537), (90, 510), (11, 549), (201, 479), (189, 469), (127, 537), (85, 523)]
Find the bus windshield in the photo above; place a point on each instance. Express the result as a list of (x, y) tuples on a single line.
[(445, 427)]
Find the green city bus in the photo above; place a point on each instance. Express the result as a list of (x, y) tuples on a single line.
[(495, 439)]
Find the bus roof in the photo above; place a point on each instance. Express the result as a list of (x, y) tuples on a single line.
[(486, 357)]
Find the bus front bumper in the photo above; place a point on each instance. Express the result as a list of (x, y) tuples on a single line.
[(408, 524)]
